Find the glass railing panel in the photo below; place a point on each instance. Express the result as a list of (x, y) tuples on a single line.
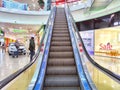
[(23, 80), (110, 63), (101, 80)]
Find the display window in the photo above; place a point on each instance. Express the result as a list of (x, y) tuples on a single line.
[(107, 41)]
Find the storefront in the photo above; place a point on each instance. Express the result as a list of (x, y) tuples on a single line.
[(107, 41), (40, 34), (88, 39)]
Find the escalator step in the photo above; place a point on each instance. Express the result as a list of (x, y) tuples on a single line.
[(60, 23), (60, 31), (60, 48), (61, 35), (62, 88), (60, 38), (61, 28), (61, 43), (64, 70), (61, 54), (61, 80), (63, 21), (58, 18), (61, 61), (59, 14)]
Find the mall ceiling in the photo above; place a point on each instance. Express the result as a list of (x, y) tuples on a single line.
[(97, 4), (33, 4), (100, 4)]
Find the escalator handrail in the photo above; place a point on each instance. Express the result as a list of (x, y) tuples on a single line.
[(49, 24), (40, 77), (108, 72), (85, 83), (11, 77)]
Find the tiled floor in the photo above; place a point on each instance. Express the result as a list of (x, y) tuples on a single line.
[(9, 65)]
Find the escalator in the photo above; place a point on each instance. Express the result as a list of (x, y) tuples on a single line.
[(61, 72), (58, 62)]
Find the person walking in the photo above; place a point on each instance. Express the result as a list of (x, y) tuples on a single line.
[(32, 48)]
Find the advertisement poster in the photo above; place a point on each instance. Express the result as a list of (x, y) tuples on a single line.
[(107, 41), (14, 5), (88, 39)]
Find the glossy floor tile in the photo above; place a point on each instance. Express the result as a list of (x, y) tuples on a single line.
[(9, 65)]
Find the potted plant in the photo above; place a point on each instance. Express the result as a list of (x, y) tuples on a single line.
[(41, 3)]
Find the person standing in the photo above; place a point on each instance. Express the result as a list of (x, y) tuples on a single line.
[(32, 48), (3, 47), (111, 20), (17, 48), (2, 44)]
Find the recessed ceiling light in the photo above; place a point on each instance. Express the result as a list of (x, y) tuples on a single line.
[(34, 5), (2, 27)]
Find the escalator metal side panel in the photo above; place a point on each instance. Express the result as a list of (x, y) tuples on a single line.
[(39, 83), (84, 82), (61, 80)]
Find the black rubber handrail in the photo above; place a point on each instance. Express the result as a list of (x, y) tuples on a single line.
[(108, 72), (11, 77)]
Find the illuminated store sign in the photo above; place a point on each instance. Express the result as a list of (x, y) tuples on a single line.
[(107, 46), (107, 41), (65, 1)]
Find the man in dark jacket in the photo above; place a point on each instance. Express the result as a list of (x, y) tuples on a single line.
[(32, 48)]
